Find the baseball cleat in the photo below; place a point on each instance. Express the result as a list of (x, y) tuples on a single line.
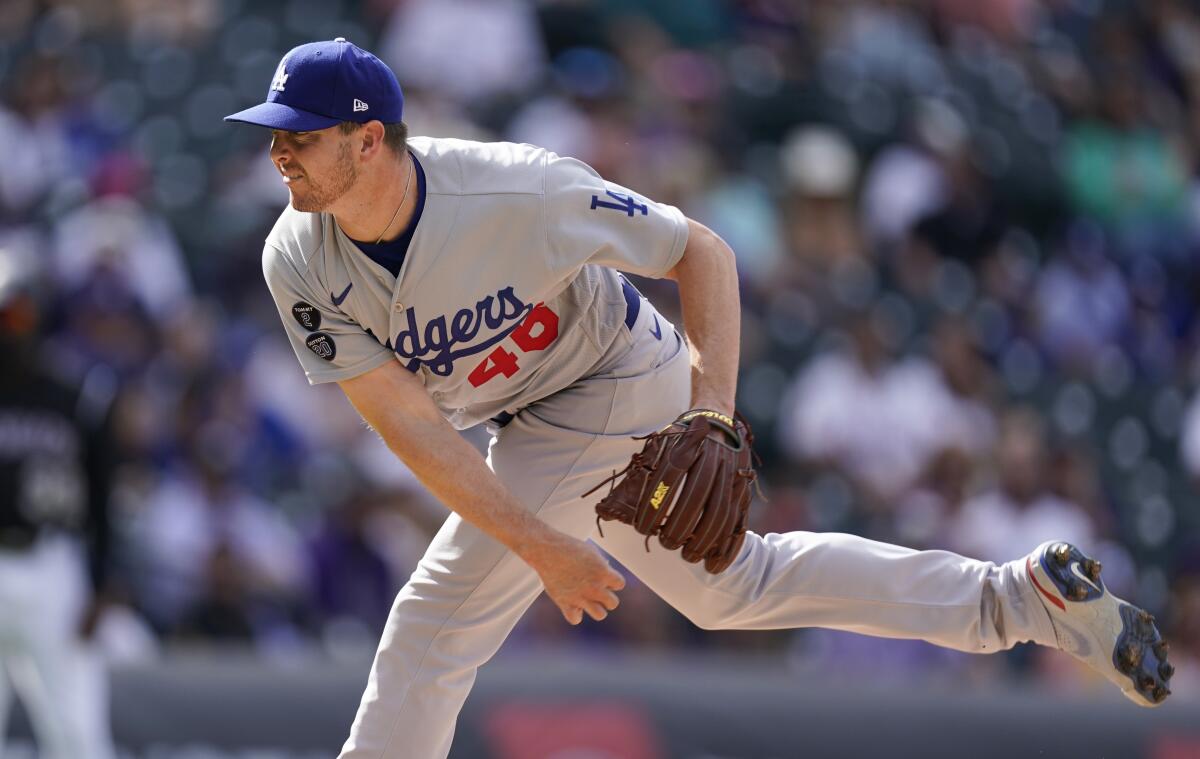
[(1115, 638)]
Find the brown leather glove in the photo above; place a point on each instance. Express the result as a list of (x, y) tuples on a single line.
[(690, 486)]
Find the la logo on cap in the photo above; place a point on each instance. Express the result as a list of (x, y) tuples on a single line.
[(281, 77), (359, 105)]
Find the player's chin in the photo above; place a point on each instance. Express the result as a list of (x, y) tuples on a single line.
[(304, 204)]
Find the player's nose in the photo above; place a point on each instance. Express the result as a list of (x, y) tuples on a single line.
[(282, 161), (279, 151)]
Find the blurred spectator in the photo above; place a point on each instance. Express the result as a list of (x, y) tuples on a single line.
[(194, 512), (821, 170), (885, 36), (182, 21), (256, 449), (1082, 303), (906, 181), (35, 123), (423, 43), (970, 223), (1125, 161), (1009, 20), (116, 234), (959, 391), (1120, 168), (102, 323), (882, 422), (352, 581), (925, 514), (1018, 509), (839, 410), (221, 614), (739, 208), (554, 123)]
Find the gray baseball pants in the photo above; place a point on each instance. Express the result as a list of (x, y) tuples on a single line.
[(468, 591)]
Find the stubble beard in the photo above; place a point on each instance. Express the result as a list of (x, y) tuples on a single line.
[(320, 196)]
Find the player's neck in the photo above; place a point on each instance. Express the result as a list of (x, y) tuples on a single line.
[(365, 211)]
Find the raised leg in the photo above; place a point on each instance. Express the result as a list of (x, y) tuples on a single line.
[(844, 582)]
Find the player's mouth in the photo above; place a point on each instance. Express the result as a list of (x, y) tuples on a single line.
[(290, 178)]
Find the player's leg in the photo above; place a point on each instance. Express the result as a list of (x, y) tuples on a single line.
[(5, 701), (461, 602), (468, 591), (6, 650), (803, 579), (845, 582), (60, 678), (22, 627), (24, 603)]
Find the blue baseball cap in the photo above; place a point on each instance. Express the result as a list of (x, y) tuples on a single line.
[(321, 84)]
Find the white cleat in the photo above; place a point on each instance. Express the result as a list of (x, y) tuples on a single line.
[(1115, 638)]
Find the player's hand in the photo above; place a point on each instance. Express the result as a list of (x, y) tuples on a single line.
[(577, 577), (89, 620)]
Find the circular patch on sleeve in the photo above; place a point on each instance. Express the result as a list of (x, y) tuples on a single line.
[(322, 345), (307, 315)]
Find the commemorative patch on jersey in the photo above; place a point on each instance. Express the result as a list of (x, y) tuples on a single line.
[(307, 315), (322, 345)]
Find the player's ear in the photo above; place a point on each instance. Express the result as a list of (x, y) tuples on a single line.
[(371, 135)]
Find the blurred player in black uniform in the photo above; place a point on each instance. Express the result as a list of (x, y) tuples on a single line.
[(55, 462)]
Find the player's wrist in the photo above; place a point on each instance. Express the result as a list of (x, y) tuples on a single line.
[(712, 402), (538, 543)]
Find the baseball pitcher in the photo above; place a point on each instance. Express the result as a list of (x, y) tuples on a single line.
[(444, 283)]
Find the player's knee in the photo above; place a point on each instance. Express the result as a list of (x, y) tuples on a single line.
[(709, 618), (708, 625)]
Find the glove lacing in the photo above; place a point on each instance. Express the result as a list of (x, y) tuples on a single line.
[(640, 462)]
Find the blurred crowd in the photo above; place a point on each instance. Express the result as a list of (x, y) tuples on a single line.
[(968, 234)]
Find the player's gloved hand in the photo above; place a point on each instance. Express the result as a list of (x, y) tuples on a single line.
[(577, 576), (689, 486)]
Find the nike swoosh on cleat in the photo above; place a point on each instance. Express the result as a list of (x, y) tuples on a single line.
[(1075, 571), (337, 299)]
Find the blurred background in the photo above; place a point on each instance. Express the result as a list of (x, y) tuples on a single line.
[(968, 233)]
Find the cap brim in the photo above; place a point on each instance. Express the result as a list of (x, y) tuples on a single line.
[(285, 117)]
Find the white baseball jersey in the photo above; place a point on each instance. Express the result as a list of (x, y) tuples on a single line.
[(506, 294)]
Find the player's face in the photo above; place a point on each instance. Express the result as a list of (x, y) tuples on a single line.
[(317, 167)]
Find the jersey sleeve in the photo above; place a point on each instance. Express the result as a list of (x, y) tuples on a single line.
[(592, 221), (329, 346)]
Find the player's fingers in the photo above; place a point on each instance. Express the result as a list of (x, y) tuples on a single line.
[(607, 599), (573, 614), (614, 579), (596, 611)]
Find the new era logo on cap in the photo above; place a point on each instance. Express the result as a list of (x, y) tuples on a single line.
[(321, 84)]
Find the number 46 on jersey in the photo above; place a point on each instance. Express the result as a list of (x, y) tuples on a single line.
[(535, 333)]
